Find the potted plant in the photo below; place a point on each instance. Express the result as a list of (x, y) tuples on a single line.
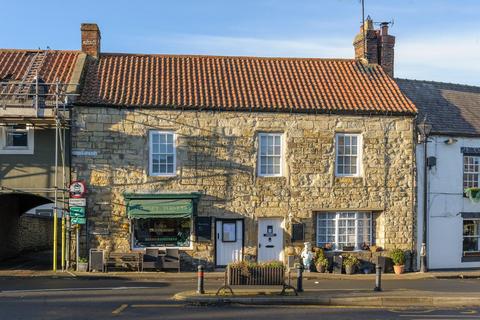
[(82, 264), (321, 262), (398, 258), (473, 194), (350, 262)]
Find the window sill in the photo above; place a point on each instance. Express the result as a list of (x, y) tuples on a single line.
[(472, 258), (270, 176)]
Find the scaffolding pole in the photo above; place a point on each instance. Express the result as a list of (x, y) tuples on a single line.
[(55, 208), (12, 93)]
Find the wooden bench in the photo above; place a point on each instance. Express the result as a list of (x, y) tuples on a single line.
[(124, 260)]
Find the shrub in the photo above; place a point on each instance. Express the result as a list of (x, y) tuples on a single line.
[(320, 258), (82, 260), (398, 257), (349, 260), (245, 265)]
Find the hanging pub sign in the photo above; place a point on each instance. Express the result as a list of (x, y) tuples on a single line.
[(77, 189)]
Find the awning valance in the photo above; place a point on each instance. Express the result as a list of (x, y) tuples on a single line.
[(159, 208)]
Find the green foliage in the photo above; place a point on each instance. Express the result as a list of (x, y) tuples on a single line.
[(349, 260), (473, 194), (82, 260), (320, 258), (244, 266), (398, 257)]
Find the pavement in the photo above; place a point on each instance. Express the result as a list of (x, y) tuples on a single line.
[(349, 298), (25, 277)]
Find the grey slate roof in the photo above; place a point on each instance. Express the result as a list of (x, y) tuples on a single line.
[(452, 109)]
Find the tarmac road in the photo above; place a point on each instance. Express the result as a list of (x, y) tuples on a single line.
[(105, 298)]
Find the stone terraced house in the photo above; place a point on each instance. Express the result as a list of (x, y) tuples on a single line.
[(230, 158)]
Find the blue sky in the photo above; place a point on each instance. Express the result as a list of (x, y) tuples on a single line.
[(436, 39)]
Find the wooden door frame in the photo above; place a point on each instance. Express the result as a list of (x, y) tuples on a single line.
[(215, 236)]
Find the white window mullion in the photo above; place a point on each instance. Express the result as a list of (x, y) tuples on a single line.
[(336, 231), (356, 232)]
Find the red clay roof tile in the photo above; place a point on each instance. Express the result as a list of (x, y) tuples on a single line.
[(57, 65), (242, 83)]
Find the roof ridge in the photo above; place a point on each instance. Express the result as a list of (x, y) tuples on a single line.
[(224, 56), (438, 82), (36, 50)]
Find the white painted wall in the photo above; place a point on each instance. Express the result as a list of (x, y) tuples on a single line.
[(446, 202)]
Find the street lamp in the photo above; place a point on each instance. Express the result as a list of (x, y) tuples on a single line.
[(425, 129)]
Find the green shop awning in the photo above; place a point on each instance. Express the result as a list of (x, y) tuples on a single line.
[(159, 208), (163, 205)]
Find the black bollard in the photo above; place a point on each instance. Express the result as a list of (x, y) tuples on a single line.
[(300, 278), (200, 274), (378, 278)]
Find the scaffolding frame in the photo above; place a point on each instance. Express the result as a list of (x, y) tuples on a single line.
[(48, 106)]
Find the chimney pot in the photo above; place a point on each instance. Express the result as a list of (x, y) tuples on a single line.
[(90, 39), (375, 46), (384, 26)]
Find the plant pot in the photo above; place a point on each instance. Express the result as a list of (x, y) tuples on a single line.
[(399, 269), (82, 266), (321, 268), (349, 269)]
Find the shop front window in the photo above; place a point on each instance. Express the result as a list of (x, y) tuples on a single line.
[(162, 232)]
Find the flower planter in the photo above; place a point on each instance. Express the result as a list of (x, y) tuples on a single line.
[(349, 269), (321, 268), (82, 266), (473, 194), (255, 276), (399, 269)]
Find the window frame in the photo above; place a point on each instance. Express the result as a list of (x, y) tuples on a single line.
[(282, 157), (359, 153), (29, 149), (473, 253), (150, 153), (336, 229), (468, 172)]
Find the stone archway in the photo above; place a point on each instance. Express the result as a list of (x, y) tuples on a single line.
[(18, 233)]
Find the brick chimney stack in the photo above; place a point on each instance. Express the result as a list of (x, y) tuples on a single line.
[(379, 46), (91, 39)]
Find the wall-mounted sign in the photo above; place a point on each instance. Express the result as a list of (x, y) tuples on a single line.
[(77, 202), (84, 153), (77, 212), (78, 220), (77, 189)]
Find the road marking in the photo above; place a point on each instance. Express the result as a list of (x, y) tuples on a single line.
[(469, 312), (75, 289), (120, 309), (411, 312), (158, 305), (446, 316)]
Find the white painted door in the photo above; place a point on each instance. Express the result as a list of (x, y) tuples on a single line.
[(229, 241), (270, 239)]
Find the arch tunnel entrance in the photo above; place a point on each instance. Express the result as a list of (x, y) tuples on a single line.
[(24, 236)]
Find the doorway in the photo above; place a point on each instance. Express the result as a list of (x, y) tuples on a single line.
[(270, 239), (229, 241)]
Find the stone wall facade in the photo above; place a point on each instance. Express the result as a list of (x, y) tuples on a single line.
[(217, 155), (25, 233)]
